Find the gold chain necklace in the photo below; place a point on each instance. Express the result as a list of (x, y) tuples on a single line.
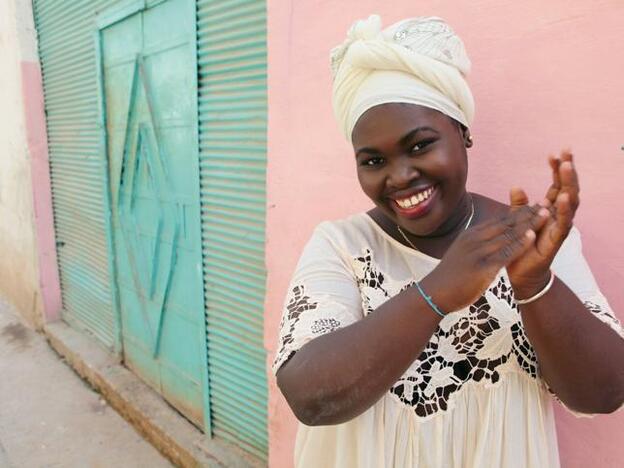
[(472, 212)]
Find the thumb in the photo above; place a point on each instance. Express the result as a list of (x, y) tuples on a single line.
[(517, 198)]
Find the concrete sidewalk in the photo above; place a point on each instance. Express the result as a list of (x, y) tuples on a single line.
[(50, 418)]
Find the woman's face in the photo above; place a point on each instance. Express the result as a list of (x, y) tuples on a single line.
[(411, 162)]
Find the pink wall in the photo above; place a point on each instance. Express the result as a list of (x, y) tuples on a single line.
[(36, 135), (545, 75), (28, 270)]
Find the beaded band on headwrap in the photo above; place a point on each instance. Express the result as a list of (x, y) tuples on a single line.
[(418, 61)]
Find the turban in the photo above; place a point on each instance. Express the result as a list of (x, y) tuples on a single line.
[(418, 61)]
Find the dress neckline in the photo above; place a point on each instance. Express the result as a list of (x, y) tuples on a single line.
[(396, 243)]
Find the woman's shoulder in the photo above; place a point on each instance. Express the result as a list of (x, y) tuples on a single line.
[(353, 229), (345, 238)]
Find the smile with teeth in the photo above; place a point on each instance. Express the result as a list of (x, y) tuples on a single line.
[(411, 202)]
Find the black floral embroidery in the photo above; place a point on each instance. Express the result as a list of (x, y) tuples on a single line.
[(597, 310), (473, 347), (370, 278), (605, 316), (522, 349), (298, 303), (433, 378), (323, 326)]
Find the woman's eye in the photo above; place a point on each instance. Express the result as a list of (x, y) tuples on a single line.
[(374, 161), (421, 145)]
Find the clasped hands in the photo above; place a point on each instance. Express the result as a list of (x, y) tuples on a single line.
[(524, 240), (551, 223)]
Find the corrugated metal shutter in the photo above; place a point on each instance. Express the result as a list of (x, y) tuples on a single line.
[(78, 166), (233, 120)]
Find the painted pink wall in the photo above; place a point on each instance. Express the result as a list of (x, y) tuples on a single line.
[(36, 135), (546, 75)]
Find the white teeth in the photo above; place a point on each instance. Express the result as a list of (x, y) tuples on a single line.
[(415, 199)]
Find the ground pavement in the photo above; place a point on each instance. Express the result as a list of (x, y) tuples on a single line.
[(49, 418)]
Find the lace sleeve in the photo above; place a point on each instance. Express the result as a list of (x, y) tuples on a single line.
[(323, 296), (571, 267)]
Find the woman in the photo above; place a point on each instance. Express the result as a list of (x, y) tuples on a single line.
[(432, 330)]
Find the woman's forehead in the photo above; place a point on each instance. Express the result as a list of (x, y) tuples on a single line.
[(392, 121)]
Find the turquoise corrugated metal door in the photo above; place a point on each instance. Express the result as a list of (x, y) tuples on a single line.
[(233, 117), (149, 91), (78, 170)]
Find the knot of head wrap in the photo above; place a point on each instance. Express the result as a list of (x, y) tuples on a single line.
[(418, 61)]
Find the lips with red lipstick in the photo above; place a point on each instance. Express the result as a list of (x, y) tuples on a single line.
[(415, 203)]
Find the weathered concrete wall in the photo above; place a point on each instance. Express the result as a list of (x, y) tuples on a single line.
[(28, 275), (546, 75)]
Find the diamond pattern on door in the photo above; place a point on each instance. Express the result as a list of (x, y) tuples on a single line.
[(143, 171), (149, 92)]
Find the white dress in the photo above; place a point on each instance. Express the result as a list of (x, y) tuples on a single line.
[(474, 397)]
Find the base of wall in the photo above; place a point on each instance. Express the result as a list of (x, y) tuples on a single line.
[(160, 424)]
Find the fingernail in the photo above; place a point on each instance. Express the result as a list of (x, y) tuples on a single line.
[(530, 234), (544, 213)]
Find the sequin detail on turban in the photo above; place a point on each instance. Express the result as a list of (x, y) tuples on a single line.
[(417, 61)]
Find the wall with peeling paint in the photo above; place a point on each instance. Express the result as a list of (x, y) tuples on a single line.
[(546, 75), (28, 275)]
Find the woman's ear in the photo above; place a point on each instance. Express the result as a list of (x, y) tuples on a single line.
[(465, 134)]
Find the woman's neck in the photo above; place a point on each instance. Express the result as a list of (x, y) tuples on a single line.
[(437, 243), (456, 223)]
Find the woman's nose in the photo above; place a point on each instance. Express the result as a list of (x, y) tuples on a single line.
[(402, 174)]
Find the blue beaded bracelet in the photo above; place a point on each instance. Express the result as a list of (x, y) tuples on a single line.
[(430, 301)]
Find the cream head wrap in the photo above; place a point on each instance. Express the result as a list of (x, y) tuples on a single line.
[(417, 61)]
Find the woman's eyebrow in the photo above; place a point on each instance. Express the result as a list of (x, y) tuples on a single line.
[(367, 150), (404, 140), (408, 136)]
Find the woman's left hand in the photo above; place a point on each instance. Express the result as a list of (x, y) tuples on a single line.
[(530, 273)]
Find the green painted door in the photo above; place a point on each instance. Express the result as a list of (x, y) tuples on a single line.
[(149, 89)]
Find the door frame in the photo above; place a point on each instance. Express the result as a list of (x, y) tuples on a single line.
[(107, 17)]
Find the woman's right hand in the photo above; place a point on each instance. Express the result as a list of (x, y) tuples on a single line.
[(478, 254)]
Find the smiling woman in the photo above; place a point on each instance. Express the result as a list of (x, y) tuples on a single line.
[(433, 329), (411, 161)]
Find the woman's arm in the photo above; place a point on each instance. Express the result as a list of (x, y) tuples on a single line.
[(337, 376), (580, 357)]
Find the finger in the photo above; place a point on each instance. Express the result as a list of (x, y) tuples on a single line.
[(569, 182), (508, 236), (533, 217), (553, 190), (522, 217), (566, 155), (553, 162), (565, 214), (517, 198), (551, 195), (557, 228), (510, 251), (496, 226), (538, 222)]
